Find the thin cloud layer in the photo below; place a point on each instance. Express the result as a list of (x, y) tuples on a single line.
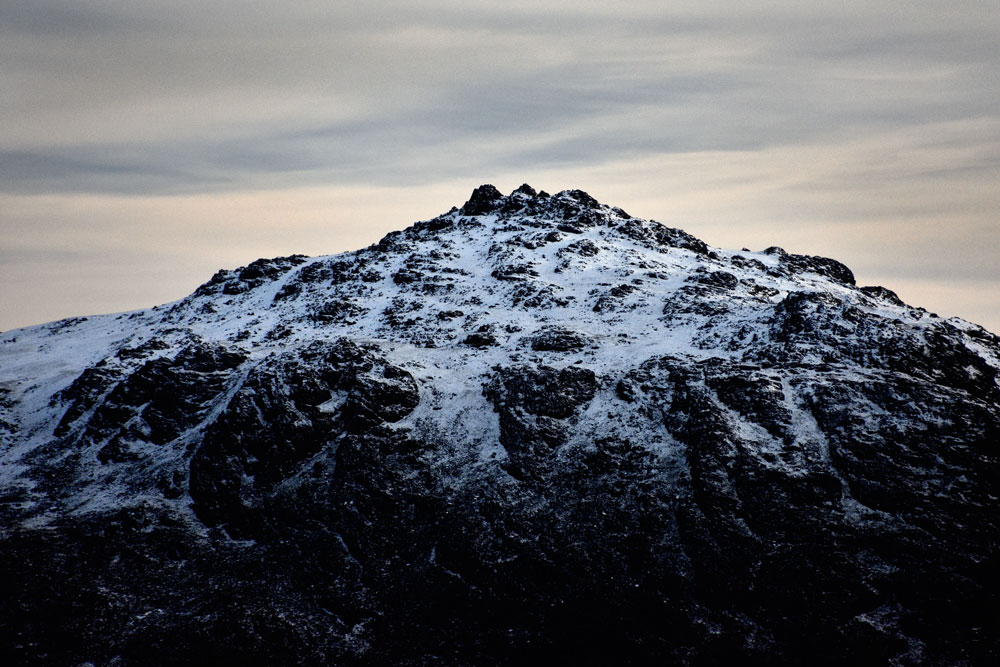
[(885, 113)]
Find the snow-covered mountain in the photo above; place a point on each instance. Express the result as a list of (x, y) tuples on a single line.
[(532, 427)]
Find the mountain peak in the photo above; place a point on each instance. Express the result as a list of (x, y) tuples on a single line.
[(526, 190), (539, 421), (488, 199), (484, 199)]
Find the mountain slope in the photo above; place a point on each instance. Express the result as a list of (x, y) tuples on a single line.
[(533, 426)]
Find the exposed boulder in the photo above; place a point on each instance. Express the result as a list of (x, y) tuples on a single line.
[(558, 339), (484, 199)]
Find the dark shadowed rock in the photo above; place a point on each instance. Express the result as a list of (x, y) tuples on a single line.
[(480, 339), (484, 199), (532, 403), (882, 294), (823, 266), (288, 409), (557, 339)]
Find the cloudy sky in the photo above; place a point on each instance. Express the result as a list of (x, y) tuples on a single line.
[(146, 143)]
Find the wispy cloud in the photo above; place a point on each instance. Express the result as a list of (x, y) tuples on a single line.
[(882, 112)]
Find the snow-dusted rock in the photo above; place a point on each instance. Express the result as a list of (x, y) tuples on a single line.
[(532, 427)]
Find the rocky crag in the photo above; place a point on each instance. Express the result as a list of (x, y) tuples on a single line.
[(532, 428)]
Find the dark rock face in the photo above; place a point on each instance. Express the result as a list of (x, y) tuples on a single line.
[(284, 413), (823, 266), (552, 433), (557, 339), (663, 236), (533, 404), (881, 293), (249, 277), (484, 199), (749, 497), (483, 338)]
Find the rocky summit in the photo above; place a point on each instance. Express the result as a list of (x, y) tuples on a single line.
[(534, 428)]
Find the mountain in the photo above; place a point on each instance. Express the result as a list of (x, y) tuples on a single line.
[(532, 428)]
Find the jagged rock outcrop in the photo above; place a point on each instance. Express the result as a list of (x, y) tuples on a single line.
[(532, 428)]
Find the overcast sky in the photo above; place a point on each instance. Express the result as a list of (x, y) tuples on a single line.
[(145, 144)]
